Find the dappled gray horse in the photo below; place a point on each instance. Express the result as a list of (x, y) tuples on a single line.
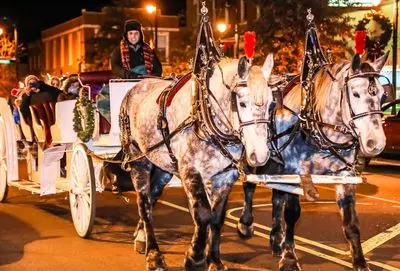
[(348, 102), (237, 104)]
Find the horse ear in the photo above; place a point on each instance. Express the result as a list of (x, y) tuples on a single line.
[(356, 63), (380, 62), (267, 66), (243, 67)]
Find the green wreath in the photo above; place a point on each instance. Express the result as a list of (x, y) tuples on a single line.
[(83, 104), (375, 46)]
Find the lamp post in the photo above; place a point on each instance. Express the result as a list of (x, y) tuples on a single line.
[(153, 9)]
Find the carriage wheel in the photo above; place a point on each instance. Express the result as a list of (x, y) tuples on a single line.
[(3, 165), (82, 195)]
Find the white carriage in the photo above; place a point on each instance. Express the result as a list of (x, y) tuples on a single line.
[(43, 164)]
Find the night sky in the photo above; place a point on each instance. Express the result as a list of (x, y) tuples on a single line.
[(32, 16)]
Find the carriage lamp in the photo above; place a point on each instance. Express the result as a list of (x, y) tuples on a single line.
[(151, 8), (221, 27), (21, 84)]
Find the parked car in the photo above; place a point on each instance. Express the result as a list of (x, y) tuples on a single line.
[(391, 126)]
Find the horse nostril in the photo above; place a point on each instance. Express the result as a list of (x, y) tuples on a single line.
[(371, 144)]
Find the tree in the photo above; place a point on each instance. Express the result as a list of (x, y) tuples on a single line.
[(282, 26), (181, 51)]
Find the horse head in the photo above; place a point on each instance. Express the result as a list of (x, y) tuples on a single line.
[(363, 113), (249, 100)]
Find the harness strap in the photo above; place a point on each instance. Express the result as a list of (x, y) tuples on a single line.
[(162, 125)]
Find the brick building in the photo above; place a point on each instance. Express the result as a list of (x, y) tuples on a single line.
[(63, 47)]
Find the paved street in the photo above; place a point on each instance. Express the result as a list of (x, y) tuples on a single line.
[(36, 233)]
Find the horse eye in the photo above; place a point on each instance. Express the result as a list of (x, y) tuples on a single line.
[(357, 95), (242, 104)]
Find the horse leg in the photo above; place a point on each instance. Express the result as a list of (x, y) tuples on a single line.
[(245, 225), (195, 259), (289, 259), (220, 192), (159, 179), (345, 196), (140, 175), (276, 234)]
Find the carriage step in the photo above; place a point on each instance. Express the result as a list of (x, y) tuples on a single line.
[(31, 186)]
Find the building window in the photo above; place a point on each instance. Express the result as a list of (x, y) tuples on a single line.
[(47, 55), (54, 54), (243, 10), (62, 52), (70, 49), (258, 12), (79, 45), (163, 48)]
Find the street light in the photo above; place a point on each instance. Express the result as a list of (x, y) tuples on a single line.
[(153, 9), (150, 8), (221, 27), (1, 31)]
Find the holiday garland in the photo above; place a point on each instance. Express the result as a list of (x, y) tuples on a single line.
[(84, 133), (375, 46)]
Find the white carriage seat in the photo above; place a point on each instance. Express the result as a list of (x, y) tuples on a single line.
[(63, 129), (25, 127), (118, 89), (43, 117)]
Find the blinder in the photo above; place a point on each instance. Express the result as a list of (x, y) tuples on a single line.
[(372, 90)]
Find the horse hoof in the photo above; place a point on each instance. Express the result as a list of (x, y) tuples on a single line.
[(245, 232), (289, 265), (155, 261), (193, 265), (217, 267), (276, 251), (275, 242), (362, 268), (140, 247), (289, 261)]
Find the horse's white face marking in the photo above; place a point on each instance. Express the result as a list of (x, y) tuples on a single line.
[(365, 94), (253, 103)]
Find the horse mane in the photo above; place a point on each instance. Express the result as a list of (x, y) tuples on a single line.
[(256, 81), (323, 84)]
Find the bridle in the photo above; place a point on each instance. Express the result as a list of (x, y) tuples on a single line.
[(372, 90), (234, 104)]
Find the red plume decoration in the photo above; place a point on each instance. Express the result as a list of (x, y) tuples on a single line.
[(360, 40), (249, 43)]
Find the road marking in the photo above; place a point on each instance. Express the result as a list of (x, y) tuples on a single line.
[(384, 266), (396, 206), (301, 239), (298, 238), (362, 195), (380, 238), (314, 243)]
